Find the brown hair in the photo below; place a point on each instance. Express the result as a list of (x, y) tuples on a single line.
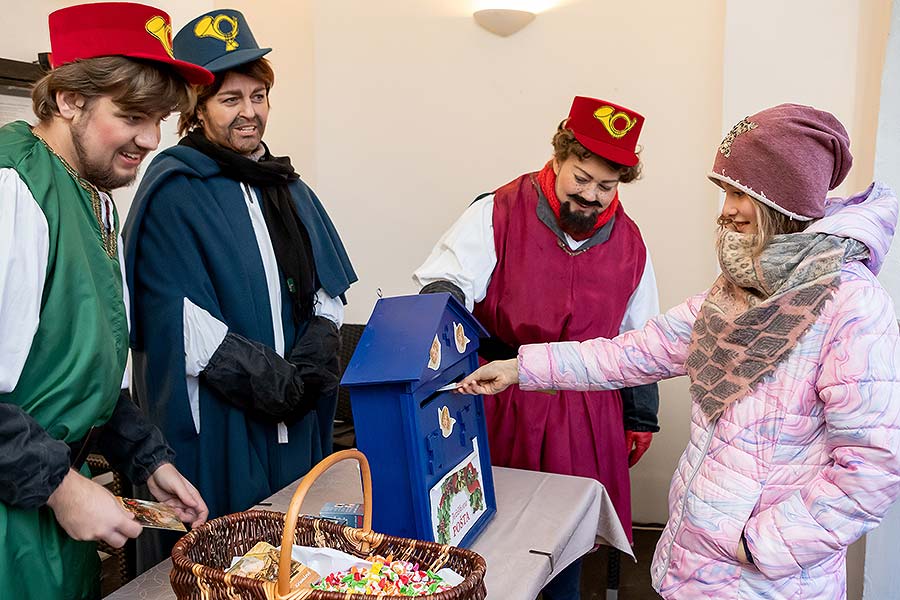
[(259, 69), (132, 84), (769, 223), (565, 144)]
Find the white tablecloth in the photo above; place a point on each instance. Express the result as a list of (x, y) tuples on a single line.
[(541, 518)]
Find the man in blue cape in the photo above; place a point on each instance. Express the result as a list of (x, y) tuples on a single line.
[(239, 279)]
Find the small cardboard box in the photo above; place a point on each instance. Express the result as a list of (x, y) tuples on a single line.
[(347, 514)]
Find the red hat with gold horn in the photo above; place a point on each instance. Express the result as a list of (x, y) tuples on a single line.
[(606, 129), (117, 29)]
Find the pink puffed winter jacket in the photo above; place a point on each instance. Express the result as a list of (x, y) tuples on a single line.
[(803, 466)]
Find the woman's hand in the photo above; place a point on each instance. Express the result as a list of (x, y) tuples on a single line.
[(492, 378)]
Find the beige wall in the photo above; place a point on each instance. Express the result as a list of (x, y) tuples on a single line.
[(400, 112), (29, 36), (418, 110), (827, 53)]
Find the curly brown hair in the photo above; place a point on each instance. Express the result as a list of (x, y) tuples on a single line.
[(260, 69), (132, 84), (565, 144)]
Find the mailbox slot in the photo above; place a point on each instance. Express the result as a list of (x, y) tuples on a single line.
[(460, 369)]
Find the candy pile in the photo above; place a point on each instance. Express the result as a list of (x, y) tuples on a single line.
[(384, 578)]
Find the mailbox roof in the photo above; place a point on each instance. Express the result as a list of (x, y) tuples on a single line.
[(397, 340)]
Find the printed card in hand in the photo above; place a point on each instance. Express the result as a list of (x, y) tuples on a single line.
[(152, 514)]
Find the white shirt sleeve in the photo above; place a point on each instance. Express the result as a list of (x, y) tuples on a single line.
[(465, 254), (203, 334), (330, 308), (24, 250), (644, 302), (127, 300)]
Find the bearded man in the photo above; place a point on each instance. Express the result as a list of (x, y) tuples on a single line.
[(552, 256), (63, 302)]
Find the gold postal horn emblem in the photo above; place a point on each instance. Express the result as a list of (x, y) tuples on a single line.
[(161, 29), (609, 117), (212, 27)]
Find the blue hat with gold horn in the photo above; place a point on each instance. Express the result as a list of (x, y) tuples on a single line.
[(218, 41)]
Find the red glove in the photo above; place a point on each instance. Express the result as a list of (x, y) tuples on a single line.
[(636, 443)]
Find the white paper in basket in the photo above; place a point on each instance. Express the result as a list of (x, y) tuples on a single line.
[(328, 560)]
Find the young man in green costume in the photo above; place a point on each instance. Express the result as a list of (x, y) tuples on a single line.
[(63, 319)]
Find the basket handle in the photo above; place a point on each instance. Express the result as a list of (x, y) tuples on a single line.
[(290, 521)]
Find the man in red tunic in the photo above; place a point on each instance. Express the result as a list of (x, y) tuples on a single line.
[(552, 256)]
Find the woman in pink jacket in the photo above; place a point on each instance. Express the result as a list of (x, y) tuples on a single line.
[(793, 356)]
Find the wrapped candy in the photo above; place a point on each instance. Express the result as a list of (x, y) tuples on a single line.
[(385, 578)]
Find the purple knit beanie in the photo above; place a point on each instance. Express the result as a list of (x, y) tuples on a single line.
[(787, 157)]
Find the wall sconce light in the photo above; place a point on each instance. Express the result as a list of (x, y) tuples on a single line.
[(503, 21)]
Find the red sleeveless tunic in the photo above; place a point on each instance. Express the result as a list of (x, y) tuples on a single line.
[(541, 291)]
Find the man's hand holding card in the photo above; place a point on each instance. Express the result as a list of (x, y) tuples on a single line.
[(152, 514)]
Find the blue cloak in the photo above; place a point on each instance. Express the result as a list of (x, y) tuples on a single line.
[(189, 235)]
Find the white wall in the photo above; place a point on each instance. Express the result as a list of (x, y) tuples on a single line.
[(418, 110), (826, 53), (882, 565)]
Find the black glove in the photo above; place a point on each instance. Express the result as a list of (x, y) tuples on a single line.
[(640, 406), (253, 377), (316, 357), (442, 285)]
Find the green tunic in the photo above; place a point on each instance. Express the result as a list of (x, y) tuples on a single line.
[(71, 378)]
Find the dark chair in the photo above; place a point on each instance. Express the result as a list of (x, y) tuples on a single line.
[(344, 432), (117, 563)]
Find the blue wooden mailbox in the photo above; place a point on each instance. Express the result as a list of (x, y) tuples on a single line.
[(431, 468)]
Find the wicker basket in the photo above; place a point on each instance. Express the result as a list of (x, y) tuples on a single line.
[(200, 558)]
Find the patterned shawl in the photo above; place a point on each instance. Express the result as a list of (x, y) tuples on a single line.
[(758, 308)]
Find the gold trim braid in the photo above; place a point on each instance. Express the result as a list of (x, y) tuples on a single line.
[(108, 238)]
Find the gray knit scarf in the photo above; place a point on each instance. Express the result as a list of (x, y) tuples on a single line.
[(758, 308)]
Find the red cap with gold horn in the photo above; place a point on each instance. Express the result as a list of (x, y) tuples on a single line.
[(606, 129), (117, 29)]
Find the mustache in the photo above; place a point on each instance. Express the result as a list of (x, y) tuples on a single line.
[(241, 121), (582, 201)]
